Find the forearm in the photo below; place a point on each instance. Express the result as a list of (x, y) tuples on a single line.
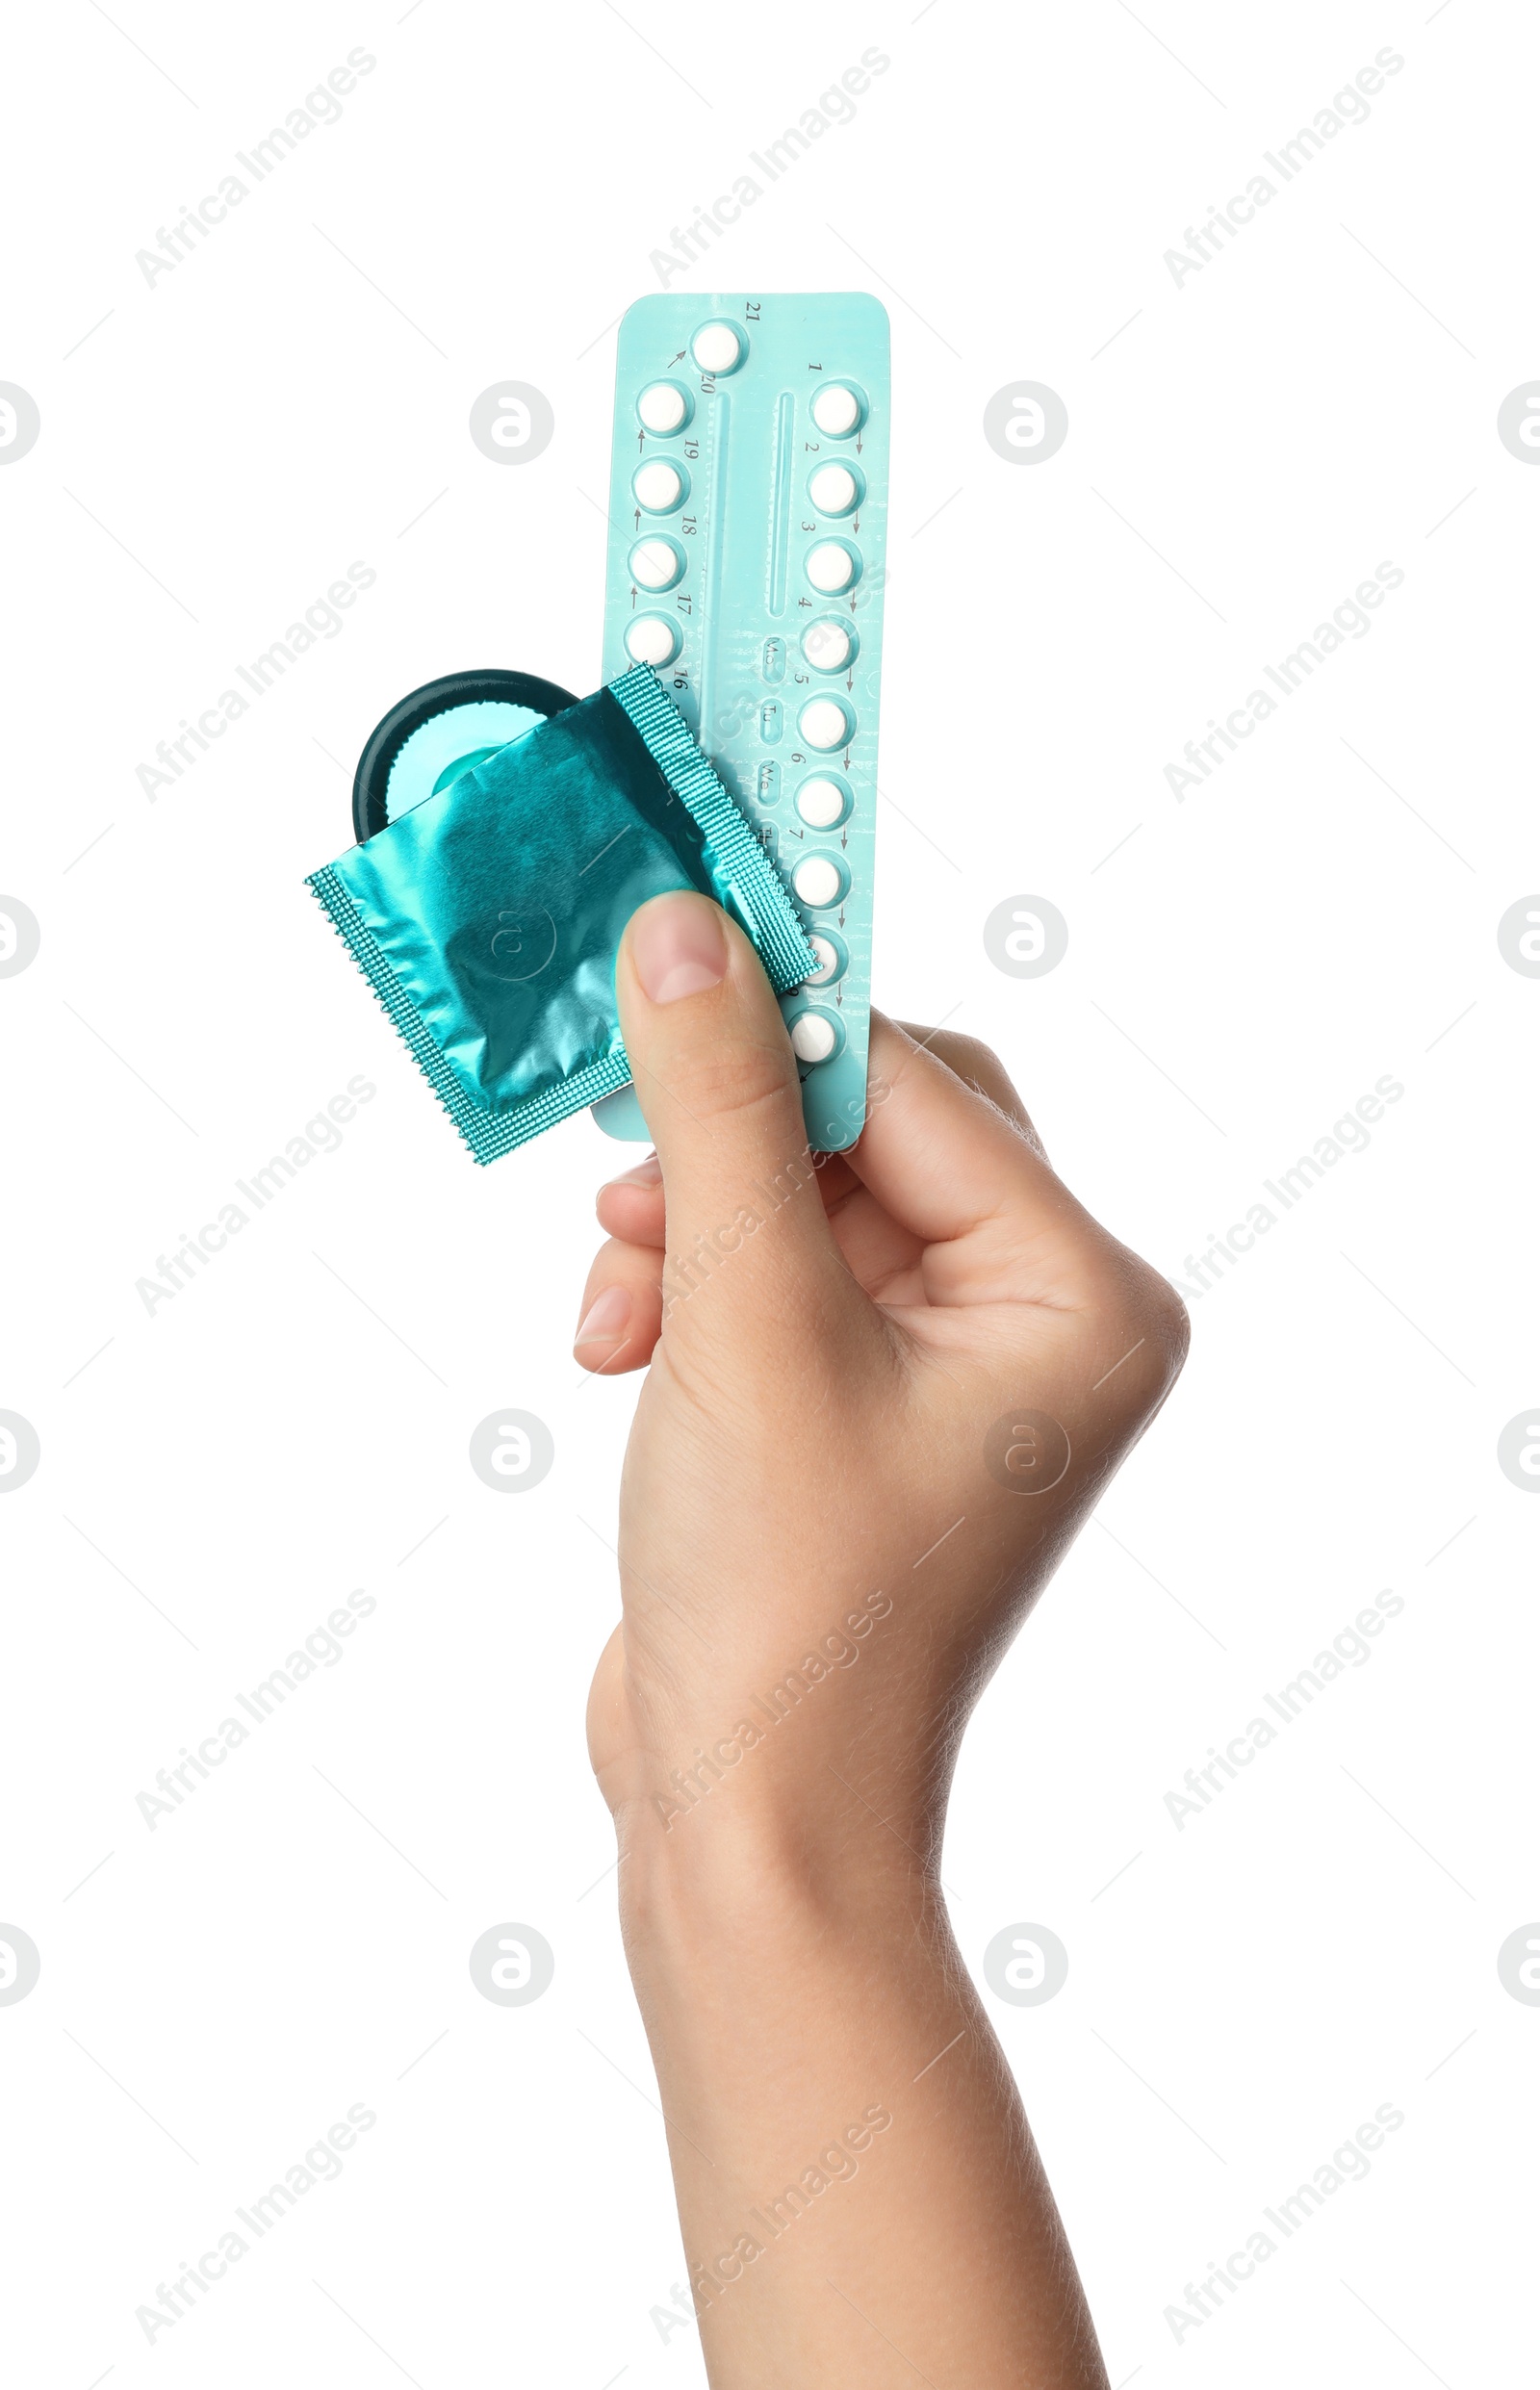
[(853, 2169)]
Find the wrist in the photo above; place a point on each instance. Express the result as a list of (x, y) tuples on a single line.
[(740, 1879)]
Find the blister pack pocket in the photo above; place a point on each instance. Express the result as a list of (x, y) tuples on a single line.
[(487, 917)]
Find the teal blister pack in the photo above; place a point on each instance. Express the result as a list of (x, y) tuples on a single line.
[(746, 558)]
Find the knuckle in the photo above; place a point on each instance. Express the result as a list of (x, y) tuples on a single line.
[(969, 1057), (981, 1056), (1160, 1317), (980, 1068), (1171, 1326), (1140, 1316)]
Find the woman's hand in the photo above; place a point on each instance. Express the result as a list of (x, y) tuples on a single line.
[(882, 1397), (909, 1374)]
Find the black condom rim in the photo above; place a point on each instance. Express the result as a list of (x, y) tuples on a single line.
[(435, 697)]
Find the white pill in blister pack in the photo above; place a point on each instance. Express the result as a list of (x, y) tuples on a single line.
[(813, 1036), (718, 347), (662, 407), (836, 410), (818, 880), (656, 564), (659, 487), (652, 639), (828, 646), (824, 723), (830, 566), (821, 803), (833, 489)]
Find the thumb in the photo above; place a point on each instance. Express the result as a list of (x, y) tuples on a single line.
[(717, 1083)]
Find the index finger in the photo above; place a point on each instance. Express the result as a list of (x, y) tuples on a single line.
[(978, 1067), (947, 1162)]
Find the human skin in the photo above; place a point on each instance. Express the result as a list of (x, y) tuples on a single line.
[(809, 1504)]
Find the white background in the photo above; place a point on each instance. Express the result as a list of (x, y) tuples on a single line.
[(1244, 450)]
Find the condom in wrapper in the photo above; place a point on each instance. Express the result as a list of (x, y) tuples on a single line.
[(487, 917)]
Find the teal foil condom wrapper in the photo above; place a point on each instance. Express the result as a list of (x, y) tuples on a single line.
[(487, 918)]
